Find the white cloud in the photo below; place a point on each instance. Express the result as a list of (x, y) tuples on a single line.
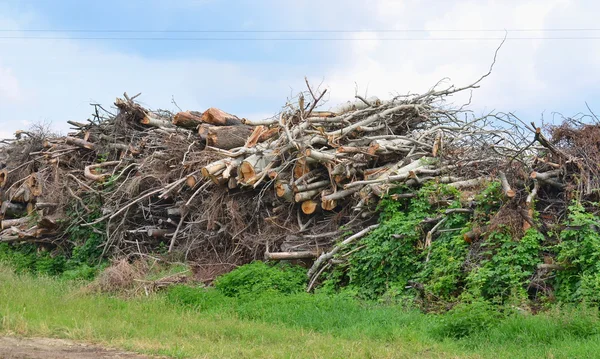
[(530, 76), (10, 90), (5, 135), (55, 81)]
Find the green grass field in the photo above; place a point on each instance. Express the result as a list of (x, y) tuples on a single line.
[(276, 326)]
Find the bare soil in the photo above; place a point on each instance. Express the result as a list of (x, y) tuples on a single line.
[(43, 348)]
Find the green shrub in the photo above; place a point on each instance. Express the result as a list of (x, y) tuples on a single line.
[(258, 277), (466, 319), (507, 267), (579, 253), (203, 299)]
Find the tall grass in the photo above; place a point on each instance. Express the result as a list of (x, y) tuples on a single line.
[(197, 323)]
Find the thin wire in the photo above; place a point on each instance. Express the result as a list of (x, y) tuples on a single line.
[(292, 39), (297, 31)]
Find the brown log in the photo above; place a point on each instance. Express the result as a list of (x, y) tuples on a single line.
[(310, 186), (187, 119), (301, 168), (339, 194), (267, 135), (255, 136), (3, 177), (261, 134), (8, 223), (280, 256), (217, 117), (309, 207), (191, 181), (151, 119), (79, 143), (228, 137), (34, 184), (251, 166), (213, 168), (283, 190), (203, 131), (328, 204), (305, 196)]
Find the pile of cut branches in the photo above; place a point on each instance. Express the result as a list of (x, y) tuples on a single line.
[(221, 189)]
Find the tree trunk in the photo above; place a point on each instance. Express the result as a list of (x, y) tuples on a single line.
[(283, 190), (79, 143), (187, 120), (217, 117), (309, 207), (7, 223), (153, 120), (228, 137)]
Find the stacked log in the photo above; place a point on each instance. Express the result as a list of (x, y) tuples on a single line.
[(154, 177)]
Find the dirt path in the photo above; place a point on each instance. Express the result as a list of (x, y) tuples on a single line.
[(41, 348)]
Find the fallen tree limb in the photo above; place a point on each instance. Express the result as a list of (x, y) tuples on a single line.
[(327, 256)]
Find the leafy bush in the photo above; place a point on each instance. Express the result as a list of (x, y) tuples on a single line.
[(466, 319), (258, 277), (508, 266), (579, 253)]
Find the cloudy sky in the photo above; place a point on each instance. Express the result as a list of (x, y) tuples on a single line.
[(377, 47)]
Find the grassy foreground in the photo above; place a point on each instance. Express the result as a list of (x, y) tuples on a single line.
[(277, 327)]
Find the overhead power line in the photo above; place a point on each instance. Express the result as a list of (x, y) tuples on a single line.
[(293, 39), (215, 31)]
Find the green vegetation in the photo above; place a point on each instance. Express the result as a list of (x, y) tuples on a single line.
[(400, 293), (82, 260), (258, 277), (399, 263), (188, 322)]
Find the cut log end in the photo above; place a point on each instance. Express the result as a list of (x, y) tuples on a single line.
[(301, 168), (246, 171), (309, 207), (187, 120), (191, 181), (328, 205), (217, 117), (3, 177)]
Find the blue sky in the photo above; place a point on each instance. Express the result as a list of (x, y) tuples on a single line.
[(54, 80)]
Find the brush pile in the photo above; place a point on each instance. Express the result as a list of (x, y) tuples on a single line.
[(224, 190)]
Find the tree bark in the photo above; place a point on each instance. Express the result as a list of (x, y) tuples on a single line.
[(8, 223), (217, 117), (280, 256), (187, 120), (79, 143), (152, 120), (228, 137)]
